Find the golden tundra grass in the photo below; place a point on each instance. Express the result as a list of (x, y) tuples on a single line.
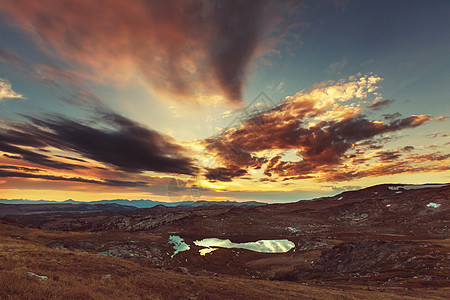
[(73, 275)]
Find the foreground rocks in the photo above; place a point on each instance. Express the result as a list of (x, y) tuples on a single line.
[(37, 277)]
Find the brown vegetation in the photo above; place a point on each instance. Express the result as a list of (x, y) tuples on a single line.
[(74, 275), (372, 243)]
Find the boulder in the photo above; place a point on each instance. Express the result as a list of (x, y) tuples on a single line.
[(36, 276)]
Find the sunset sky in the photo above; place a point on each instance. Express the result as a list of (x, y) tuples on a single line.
[(272, 101)]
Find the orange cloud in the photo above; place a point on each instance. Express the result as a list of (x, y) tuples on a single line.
[(398, 167), (185, 49), (324, 126)]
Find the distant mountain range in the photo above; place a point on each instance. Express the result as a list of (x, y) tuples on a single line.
[(137, 203), (143, 203)]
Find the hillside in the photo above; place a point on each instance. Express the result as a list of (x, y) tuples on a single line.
[(62, 274), (390, 239)]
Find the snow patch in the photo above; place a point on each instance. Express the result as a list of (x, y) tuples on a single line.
[(340, 198), (388, 205), (395, 188), (415, 186), (433, 205), (423, 186)]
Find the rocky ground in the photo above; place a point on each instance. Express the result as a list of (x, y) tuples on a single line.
[(380, 237)]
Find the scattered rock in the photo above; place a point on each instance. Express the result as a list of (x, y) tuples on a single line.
[(183, 270), (305, 244), (36, 276), (106, 277)]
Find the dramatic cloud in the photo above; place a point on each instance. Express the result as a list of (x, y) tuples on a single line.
[(6, 91), (117, 141), (186, 48), (224, 174), (320, 125)]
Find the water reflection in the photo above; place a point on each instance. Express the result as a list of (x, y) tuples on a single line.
[(268, 246), (178, 244), (206, 250)]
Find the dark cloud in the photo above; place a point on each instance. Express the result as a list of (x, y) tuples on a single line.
[(323, 144), (298, 177), (380, 104), (9, 167), (12, 156), (437, 134), (234, 154), (385, 156), (71, 158), (393, 116), (437, 156), (116, 141), (186, 48), (236, 33), (20, 137), (37, 158), (408, 148), (409, 122), (224, 174), (14, 174)]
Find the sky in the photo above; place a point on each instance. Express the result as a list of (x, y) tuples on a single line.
[(273, 101)]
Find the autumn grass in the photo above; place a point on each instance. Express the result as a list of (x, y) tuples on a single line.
[(74, 275)]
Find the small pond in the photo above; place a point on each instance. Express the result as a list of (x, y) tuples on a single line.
[(178, 244), (267, 246)]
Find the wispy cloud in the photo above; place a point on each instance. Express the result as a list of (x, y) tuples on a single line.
[(189, 49), (6, 91), (64, 83), (337, 66), (280, 86)]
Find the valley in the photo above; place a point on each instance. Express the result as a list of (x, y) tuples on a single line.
[(386, 238)]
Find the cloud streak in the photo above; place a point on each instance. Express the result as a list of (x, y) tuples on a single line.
[(107, 182), (36, 158), (116, 141)]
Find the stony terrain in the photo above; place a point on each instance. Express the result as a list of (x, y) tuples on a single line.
[(382, 237)]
